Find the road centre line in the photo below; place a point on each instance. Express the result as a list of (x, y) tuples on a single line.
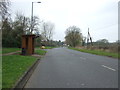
[(108, 67)]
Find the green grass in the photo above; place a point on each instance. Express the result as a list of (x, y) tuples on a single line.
[(13, 67), (0, 50), (0, 72), (8, 50), (0, 79), (40, 51), (0, 68), (97, 52), (46, 47)]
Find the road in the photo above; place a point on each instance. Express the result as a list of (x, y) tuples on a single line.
[(65, 68)]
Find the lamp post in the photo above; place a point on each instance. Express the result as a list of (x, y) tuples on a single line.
[(32, 17)]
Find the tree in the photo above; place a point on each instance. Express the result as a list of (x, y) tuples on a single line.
[(47, 31), (35, 24), (4, 13), (118, 42), (5, 24), (13, 30), (73, 36), (22, 23), (83, 41), (102, 43), (4, 9), (7, 33), (38, 41)]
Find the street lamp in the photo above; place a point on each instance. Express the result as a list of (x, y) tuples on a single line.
[(32, 17)]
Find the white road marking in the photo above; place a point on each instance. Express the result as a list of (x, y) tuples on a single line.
[(83, 58), (108, 68)]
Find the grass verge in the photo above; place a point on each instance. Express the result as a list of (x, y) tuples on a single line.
[(46, 47), (40, 52), (97, 52), (0, 72), (13, 67), (0, 50), (8, 50)]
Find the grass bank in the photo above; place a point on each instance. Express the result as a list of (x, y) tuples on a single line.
[(98, 52), (13, 67), (8, 50)]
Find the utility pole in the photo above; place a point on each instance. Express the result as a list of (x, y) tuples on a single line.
[(89, 38)]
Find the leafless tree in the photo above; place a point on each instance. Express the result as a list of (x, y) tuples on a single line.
[(21, 22), (25, 23), (47, 31), (35, 24), (4, 9)]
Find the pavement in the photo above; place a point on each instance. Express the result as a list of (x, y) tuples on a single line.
[(11, 53), (65, 68)]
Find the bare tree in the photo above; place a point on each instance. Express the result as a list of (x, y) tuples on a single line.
[(21, 23), (47, 31), (35, 24), (4, 9), (25, 23)]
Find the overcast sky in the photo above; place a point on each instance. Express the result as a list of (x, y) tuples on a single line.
[(101, 16)]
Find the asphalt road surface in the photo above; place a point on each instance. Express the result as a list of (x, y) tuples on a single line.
[(65, 68)]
